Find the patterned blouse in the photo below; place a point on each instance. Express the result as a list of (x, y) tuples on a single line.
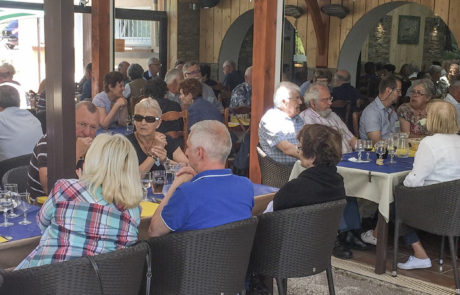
[(417, 124), (74, 223)]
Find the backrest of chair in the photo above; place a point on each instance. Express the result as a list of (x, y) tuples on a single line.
[(261, 202), (209, 261), (272, 172), (76, 276), (174, 115), (296, 242), (17, 175), (122, 271), (8, 164), (433, 208)]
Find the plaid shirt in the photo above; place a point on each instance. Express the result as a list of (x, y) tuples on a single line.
[(75, 223), (274, 127)]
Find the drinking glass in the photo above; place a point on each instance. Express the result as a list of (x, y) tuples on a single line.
[(368, 148), (158, 177), (146, 180), (403, 146), (24, 205), (359, 148), (380, 148), (6, 203), (391, 148), (12, 190)]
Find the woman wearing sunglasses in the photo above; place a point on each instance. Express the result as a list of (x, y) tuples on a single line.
[(153, 148)]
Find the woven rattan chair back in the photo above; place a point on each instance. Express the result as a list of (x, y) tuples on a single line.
[(272, 172), (208, 261), (433, 208), (8, 164), (17, 175)]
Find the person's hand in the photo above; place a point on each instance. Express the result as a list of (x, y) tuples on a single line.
[(82, 146), (160, 139), (159, 152), (121, 102), (79, 172), (186, 170), (181, 178)]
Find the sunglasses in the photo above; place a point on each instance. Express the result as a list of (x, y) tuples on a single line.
[(148, 119)]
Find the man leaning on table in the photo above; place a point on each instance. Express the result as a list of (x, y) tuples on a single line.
[(86, 125), (378, 119), (204, 194)]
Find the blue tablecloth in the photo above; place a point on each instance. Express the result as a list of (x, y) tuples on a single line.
[(402, 164), (18, 231)]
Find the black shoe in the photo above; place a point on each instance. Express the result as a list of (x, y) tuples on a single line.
[(352, 241), (341, 252)]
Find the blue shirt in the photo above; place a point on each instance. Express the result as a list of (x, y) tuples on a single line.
[(377, 117), (274, 127), (202, 109), (86, 91), (211, 198)]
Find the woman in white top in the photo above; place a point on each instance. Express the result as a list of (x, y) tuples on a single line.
[(437, 160)]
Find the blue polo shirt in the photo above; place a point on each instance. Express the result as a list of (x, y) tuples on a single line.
[(211, 198), (376, 117)]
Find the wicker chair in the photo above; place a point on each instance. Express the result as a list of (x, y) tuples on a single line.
[(296, 242), (208, 261), (17, 175), (434, 209), (273, 173), (8, 164), (118, 272)]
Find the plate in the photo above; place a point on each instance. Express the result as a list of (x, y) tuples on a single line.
[(354, 160)]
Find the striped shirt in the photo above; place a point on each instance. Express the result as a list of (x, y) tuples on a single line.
[(37, 161), (75, 223)]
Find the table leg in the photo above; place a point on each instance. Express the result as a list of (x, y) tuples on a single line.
[(382, 242)]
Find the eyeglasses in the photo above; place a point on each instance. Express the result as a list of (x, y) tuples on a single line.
[(417, 93), (86, 125), (398, 90), (326, 99), (193, 73), (148, 119)]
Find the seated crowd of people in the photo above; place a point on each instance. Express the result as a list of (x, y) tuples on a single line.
[(310, 123)]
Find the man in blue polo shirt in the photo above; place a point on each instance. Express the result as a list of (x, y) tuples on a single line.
[(204, 194)]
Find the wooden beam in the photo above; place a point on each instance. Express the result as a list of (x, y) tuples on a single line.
[(321, 26), (60, 89), (262, 74), (100, 39)]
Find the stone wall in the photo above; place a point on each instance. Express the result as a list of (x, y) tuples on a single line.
[(434, 39), (380, 41)]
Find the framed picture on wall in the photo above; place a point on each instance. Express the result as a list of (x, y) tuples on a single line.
[(408, 29)]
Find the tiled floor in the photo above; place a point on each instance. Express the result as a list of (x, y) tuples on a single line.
[(433, 275)]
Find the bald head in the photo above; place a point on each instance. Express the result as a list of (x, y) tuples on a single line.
[(341, 77)]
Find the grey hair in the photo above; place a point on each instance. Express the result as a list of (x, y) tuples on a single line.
[(171, 75), (312, 93), (149, 104), (284, 92), (9, 68), (248, 71), (135, 71), (213, 137), (188, 65), (9, 97), (90, 107), (152, 60), (231, 62), (342, 78), (427, 84), (434, 69)]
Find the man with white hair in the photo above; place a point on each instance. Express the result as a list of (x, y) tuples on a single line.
[(279, 126), (232, 76), (204, 194), (241, 94), (7, 73), (318, 101), (173, 78), (154, 66)]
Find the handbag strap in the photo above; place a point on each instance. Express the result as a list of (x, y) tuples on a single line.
[(98, 274)]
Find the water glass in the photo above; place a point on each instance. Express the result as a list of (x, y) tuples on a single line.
[(6, 203), (12, 190), (24, 205), (403, 146), (359, 147), (146, 180), (391, 148), (380, 148)]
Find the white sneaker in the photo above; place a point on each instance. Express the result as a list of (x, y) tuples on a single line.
[(414, 262), (368, 237)]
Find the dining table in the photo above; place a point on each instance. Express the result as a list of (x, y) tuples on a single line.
[(373, 182), (26, 237)]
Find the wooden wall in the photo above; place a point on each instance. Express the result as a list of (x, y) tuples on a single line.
[(216, 21)]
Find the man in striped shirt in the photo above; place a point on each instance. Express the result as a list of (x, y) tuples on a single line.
[(86, 125)]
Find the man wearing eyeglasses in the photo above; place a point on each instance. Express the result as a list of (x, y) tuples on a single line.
[(191, 69), (86, 125), (154, 68), (379, 119)]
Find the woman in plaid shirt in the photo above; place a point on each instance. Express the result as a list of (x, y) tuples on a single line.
[(96, 214)]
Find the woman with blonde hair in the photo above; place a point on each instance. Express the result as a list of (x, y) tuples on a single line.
[(96, 214), (437, 160)]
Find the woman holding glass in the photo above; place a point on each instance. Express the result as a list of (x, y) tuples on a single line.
[(412, 115), (96, 214), (153, 148), (437, 160)]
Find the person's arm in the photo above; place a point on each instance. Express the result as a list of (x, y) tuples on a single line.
[(353, 142), (424, 164), (179, 156), (404, 125), (375, 136), (288, 148), (107, 119), (43, 177), (123, 115)]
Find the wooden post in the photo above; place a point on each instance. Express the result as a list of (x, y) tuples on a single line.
[(100, 39), (321, 26), (263, 72), (60, 89)]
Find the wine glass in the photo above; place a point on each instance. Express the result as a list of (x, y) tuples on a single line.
[(380, 148), (146, 180), (368, 148), (391, 148), (24, 205), (129, 125), (6, 203), (12, 190), (359, 147)]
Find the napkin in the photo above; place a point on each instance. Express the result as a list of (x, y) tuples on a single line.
[(354, 160), (41, 200), (148, 208), (3, 240)]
